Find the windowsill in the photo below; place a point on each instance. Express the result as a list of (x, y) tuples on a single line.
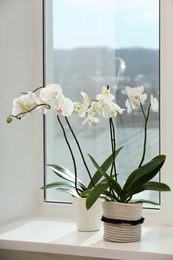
[(46, 235)]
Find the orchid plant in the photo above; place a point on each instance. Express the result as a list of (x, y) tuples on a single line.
[(104, 182)]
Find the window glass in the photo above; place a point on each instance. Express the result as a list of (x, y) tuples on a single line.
[(85, 44)]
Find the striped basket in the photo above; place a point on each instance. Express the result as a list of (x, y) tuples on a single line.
[(122, 221)]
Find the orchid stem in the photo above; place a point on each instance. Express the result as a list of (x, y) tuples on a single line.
[(24, 93), (113, 145), (30, 110), (146, 117), (71, 152), (80, 150)]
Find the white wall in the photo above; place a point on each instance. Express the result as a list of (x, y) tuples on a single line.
[(19, 144)]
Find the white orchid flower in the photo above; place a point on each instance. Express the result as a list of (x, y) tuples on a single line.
[(62, 106), (90, 120), (23, 104), (82, 108), (86, 98), (105, 94), (118, 108), (135, 95), (95, 108), (110, 109), (130, 106), (50, 92), (154, 104)]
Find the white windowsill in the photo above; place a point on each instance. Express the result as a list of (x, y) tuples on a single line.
[(48, 235)]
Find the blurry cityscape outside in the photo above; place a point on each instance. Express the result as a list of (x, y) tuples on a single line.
[(88, 67)]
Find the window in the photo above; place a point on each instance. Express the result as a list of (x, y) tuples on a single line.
[(86, 42)]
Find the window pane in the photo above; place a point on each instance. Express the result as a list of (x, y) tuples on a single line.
[(85, 44)]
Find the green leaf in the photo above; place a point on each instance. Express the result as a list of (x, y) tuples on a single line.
[(71, 191), (62, 186), (66, 174), (143, 174), (95, 193), (105, 166), (57, 184), (145, 201), (157, 186), (85, 193), (114, 184), (152, 185)]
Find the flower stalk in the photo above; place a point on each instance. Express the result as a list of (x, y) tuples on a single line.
[(18, 116), (80, 150), (146, 117), (71, 152), (113, 146)]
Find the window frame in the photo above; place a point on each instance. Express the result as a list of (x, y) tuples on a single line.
[(163, 216)]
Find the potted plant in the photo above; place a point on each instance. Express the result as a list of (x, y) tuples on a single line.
[(121, 213), (52, 98), (104, 182)]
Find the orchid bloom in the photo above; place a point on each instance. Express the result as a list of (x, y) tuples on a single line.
[(86, 98), (135, 97), (130, 107), (62, 106), (106, 106), (82, 108), (52, 95), (23, 104), (109, 109), (90, 120), (102, 105), (154, 104), (50, 92), (95, 108), (105, 94)]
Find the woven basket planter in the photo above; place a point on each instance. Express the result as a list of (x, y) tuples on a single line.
[(122, 221)]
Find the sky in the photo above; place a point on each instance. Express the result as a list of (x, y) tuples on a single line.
[(109, 23)]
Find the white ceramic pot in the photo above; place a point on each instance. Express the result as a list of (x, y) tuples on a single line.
[(87, 220), (122, 221)]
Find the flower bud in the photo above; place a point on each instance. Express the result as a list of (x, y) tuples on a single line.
[(9, 119)]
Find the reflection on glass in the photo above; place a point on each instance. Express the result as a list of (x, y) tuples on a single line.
[(89, 40)]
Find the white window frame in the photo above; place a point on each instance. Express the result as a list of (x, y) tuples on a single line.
[(163, 216)]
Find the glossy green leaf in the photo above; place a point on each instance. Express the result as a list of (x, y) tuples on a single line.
[(71, 191), (145, 201), (105, 166), (57, 184), (65, 174), (152, 185), (62, 186), (111, 180), (85, 193), (144, 173), (95, 193)]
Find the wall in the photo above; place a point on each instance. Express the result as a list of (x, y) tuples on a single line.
[(19, 141)]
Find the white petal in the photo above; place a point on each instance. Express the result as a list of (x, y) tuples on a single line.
[(50, 92), (129, 106), (23, 104), (90, 120), (154, 104), (67, 107), (118, 108)]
